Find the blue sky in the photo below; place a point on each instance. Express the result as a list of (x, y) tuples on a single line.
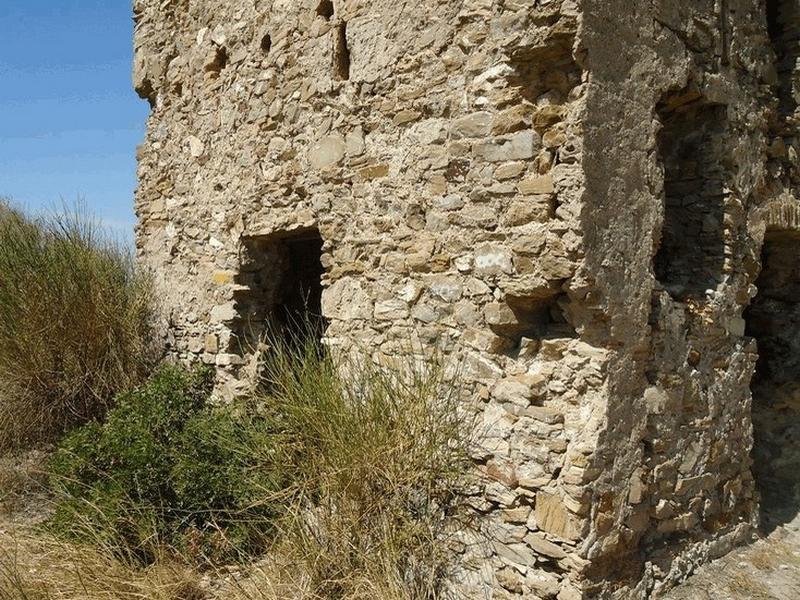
[(69, 118)]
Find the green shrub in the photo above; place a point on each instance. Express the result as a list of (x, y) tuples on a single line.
[(167, 469), (75, 324)]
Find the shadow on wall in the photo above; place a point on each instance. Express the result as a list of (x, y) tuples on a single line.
[(783, 24), (280, 289), (774, 320), (692, 149)]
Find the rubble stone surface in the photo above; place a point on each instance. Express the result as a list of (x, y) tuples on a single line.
[(570, 198)]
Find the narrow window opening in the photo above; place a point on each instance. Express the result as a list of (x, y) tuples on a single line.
[(691, 146), (781, 15), (281, 289), (147, 91), (325, 9), (774, 24), (341, 54), (266, 44), (773, 319)]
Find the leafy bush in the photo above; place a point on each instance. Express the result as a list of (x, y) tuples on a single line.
[(167, 469), (75, 323)]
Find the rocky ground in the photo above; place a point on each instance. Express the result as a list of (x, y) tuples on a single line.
[(767, 569)]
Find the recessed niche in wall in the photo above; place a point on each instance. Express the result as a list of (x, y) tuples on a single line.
[(692, 151), (535, 318), (783, 25), (341, 53), (325, 9), (266, 43), (550, 69), (281, 281), (219, 63)]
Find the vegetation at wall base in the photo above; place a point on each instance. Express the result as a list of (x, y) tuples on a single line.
[(340, 478), (168, 470), (76, 323), (381, 458)]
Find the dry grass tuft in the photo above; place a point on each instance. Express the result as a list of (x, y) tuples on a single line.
[(381, 455), (75, 323), (22, 477), (39, 567)]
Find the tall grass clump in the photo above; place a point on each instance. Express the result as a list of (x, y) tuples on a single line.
[(75, 323), (36, 566), (379, 462)]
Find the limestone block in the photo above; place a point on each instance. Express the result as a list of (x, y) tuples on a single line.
[(354, 142), (499, 314), (472, 126), (491, 259), (513, 390), (516, 554), (545, 585), (406, 116), (517, 146), (541, 184), (390, 310), (196, 147), (346, 300), (543, 546), (329, 151), (447, 289), (544, 414), (553, 517), (224, 313), (373, 172), (509, 170)]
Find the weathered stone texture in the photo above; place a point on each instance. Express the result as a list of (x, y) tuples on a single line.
[(570, 198)]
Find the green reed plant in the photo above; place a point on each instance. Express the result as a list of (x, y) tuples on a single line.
[(76, 323)]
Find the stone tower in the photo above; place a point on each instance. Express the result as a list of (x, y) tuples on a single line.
[(590, 204)]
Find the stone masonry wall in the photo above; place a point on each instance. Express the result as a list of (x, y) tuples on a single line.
[(700, 75), (515, 182)]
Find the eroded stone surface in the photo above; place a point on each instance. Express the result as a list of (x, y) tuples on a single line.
[(569, 198)]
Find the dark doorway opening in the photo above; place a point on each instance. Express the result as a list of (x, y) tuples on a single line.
[(691, 146), (281, 289), (774, 320), (300, 304)]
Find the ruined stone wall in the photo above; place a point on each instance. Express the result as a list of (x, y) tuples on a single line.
[(681, 114), (516, 183)]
